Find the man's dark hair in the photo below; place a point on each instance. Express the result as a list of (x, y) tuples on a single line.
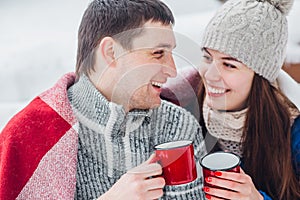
[(109, 18)]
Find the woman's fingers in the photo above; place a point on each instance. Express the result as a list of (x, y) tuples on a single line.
[(233, 181), (242, 171), (231, 185), (216, 194), (223, 183), (233, 176)]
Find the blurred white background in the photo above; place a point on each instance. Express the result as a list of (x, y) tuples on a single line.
[(38, 43)]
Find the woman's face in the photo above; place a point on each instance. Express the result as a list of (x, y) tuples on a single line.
[(227, 81)]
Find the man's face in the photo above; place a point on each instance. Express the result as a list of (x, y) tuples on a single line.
[(141, 71)]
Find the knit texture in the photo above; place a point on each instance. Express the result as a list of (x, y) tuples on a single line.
[(252, 31), (226, 127), (111, 142), (38, 148)]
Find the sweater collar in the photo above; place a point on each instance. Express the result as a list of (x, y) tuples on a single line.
[(87, 100)]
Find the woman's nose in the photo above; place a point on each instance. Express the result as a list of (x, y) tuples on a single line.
[(212, 72)]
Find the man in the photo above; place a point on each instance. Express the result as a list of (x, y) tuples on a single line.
[(91, 136)]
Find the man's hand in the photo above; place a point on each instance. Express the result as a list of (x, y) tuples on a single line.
[(140, 183)]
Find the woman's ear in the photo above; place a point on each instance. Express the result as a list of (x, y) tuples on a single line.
[(107, 50)]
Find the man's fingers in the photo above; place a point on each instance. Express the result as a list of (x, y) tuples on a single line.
[(155, 183), (146, 171), (154, 194), (152, 159)]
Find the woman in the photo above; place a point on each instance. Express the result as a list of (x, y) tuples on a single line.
[(241, 106), (249, 117)]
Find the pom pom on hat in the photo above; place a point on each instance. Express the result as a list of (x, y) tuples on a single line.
[(254, 32), (283, 5)]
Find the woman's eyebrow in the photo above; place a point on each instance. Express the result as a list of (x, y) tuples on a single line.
[(223, 58), (204, 49), (230, 58)]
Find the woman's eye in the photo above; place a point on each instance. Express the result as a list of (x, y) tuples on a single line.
[(206, 58), (229, 65)]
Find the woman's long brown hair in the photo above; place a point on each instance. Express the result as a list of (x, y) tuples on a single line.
[(267, 140)]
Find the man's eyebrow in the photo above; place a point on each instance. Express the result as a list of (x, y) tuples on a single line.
[(165, 45)]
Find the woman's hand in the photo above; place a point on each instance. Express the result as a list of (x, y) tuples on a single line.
[(138, 183), (240, 185)]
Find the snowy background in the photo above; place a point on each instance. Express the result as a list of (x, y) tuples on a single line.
[(38, 43)]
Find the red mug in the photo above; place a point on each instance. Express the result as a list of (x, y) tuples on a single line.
[(177, 161), (219, 161)]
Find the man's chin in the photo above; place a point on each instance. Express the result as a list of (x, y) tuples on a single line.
[(155, 104), (146, 106)]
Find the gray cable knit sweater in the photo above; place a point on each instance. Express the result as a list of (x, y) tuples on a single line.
[(112, 141)]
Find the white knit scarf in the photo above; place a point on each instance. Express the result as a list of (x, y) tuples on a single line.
[(224, 125), (227, 127)]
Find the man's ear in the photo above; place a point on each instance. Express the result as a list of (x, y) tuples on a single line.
[(107, 50)]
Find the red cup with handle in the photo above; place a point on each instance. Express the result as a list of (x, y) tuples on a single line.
[(177, 161), (219, 161)]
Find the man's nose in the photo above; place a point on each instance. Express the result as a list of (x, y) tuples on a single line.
[(170, 67)]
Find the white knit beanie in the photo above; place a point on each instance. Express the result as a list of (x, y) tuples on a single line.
[(254, 32)]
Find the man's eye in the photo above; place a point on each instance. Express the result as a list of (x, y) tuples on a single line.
[(158, 54)]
